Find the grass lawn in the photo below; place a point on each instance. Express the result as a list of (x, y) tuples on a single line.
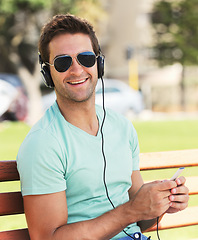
[(167, 135), (12, 135), (153, 136)]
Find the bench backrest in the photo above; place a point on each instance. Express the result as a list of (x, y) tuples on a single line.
[(12, 203)]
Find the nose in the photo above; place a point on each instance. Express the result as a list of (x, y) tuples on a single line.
[(76, 68)]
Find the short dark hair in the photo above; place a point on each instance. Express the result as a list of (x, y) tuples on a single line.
[(61, 24)]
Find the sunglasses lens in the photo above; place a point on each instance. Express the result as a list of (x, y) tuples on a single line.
[(62, 63), (87, 59)]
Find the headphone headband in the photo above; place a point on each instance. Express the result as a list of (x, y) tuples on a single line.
[(40, 58)]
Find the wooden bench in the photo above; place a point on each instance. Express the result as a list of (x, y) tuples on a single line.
[(12, 203)]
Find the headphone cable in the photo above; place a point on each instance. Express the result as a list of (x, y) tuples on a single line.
[(103, 153), (158, 228), (105, 162)]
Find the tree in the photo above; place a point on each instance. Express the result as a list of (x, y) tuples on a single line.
[(176, 33), (20, 24)]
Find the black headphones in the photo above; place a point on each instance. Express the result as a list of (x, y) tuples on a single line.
[(46, 76)]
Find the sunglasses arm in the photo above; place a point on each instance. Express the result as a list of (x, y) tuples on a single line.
[(49, 64)]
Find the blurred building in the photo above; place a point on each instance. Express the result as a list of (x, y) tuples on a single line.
[(128, 27)]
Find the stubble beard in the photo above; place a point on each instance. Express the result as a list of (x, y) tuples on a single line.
[(72, 97)]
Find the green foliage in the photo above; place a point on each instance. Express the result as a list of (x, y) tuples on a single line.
[(16, 19), (21, 21), (176, 31), (12, 6)]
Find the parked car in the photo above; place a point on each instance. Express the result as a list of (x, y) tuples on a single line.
[(13, 98), (118, 96)]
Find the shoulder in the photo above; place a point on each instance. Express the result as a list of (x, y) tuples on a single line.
[(115, 120), (41, 156), (43, 137)]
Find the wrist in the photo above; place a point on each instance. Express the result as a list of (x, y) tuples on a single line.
[(130, 213)]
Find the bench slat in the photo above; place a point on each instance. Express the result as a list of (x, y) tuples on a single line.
[(21, 234), (161, 160), (11, 203), (187, 217), (8, 171), (192, 184), (181, 219)]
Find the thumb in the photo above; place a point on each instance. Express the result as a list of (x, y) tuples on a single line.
[(166, 185)]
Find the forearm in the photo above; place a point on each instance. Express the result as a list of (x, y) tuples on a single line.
[(103, 227), (51, 222)]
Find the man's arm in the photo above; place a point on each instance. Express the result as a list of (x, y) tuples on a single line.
[(137, 183), (47, 214), (47, 219)]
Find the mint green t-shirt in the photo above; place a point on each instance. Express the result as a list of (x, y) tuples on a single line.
[(57, 156)]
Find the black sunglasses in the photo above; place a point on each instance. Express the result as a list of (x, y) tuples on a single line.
[(63, 63)]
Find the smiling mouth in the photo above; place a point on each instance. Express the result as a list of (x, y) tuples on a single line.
[(78, 82)]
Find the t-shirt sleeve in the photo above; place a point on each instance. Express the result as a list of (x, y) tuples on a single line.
[(41, 164), (135, 149)]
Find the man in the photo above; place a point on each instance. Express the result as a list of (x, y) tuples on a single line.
[(80, 181)]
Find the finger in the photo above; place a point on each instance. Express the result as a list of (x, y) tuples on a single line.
[(162, 206), (179, 206), (180, 181), (179, 198), (166, 193), (180, 190), (166, 185)]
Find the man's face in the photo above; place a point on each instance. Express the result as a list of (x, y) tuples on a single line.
[(78, 83)]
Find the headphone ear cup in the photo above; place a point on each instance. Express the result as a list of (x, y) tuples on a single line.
[(46, 76), (100, 65)]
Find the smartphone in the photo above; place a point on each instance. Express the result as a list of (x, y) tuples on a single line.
[(174, 177)]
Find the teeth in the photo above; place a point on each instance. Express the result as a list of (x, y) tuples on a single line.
[(78, 82)]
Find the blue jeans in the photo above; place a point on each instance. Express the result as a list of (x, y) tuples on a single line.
[(135, 236)]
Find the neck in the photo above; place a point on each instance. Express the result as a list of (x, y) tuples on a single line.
[(82, 115)]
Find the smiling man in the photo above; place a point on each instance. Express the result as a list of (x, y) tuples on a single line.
[(79, 170), (77, 84)]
